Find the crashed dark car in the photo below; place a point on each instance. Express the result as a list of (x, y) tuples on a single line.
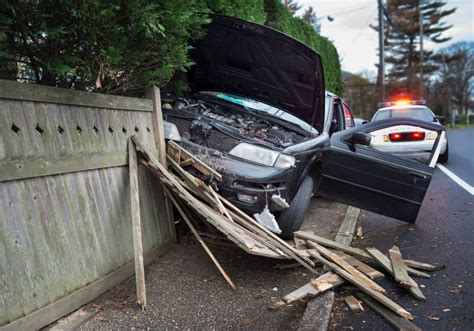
[(258, 113)]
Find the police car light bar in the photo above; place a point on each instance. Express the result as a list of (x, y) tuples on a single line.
[(402, 102)]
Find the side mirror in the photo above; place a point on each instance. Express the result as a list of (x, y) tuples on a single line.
[(360, 138), (365, 122), (441, 119)]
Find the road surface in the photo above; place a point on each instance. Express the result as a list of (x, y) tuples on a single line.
[(461, 154), (443, 233)]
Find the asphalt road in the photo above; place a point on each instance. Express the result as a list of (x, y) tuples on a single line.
[(461, 154), (442, 234)]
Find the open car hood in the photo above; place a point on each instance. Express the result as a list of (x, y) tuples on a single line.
[(257, 62)]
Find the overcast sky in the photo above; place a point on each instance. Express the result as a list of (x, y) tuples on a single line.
[(357, 43)]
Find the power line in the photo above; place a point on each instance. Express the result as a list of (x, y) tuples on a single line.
[(347, 11), (365, 26)]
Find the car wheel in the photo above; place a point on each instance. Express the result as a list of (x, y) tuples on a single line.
[(290, 219), (443, 158)]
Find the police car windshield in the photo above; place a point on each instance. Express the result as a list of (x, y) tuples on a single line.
[(418, 113)]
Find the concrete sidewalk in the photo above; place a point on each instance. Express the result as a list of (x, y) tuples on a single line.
[(185, 290)]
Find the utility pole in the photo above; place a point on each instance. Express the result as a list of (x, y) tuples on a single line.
[(381, 76), (421, 51)]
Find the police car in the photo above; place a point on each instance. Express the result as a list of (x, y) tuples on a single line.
[(404, 139)]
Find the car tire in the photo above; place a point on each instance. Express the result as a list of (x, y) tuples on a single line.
[(443, 158), (290, 219)]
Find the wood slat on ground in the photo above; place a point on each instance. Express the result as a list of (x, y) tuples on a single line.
[(374, 294), (366, 269), (384, 261), (332, 244), (400, 272), (396, 321)]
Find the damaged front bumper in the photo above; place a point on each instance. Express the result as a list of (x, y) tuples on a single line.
[(249, 186)]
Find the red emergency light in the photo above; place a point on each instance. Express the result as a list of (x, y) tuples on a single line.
[(406, 136), (402, 102)]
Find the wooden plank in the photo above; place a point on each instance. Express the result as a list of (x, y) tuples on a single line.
[(361, 266), (304, 291), (210, 199), (347, 228), (159, 137), (137, 228), (277, 241), (39, 93), (234, 231), (384, 261), (157, 121), (332, 244), (190, 179), (199, 239), (353, 304), (346, 266), (325, 282), (221, 207), (374, 294), (424, 266), (76, 299), (198, 164), (400, 272), (21, 169), (300, 243), (417, 273), (396, 321), (263, 231)]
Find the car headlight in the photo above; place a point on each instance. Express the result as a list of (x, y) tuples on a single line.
[(171, 131), (262, 155)]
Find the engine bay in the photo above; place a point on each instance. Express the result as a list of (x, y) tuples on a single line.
[(204, 122)]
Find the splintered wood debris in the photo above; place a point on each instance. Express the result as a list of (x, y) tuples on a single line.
[(195, 199)]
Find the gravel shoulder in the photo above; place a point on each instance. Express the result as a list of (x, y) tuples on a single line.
[(185, 290)]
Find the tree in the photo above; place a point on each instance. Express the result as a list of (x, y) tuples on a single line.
[(402, 37), (108, 46), (361, 94), (292, 6), (456, 75), (310, 17)]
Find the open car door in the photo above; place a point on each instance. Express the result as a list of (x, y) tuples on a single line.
[(356, 173)]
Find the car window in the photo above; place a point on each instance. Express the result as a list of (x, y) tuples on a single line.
[(419, 113), (264, 108)]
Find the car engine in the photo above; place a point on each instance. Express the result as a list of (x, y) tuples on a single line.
[(222, 128)]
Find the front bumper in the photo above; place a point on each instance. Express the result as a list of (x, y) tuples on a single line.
[(244, 178)]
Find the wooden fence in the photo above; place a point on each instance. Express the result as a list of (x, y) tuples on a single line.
[(65, 223)]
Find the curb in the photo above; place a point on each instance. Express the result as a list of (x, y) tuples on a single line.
[(318, 310)]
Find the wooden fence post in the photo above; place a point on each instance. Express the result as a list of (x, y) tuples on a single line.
[(137, 229), (159, 134)]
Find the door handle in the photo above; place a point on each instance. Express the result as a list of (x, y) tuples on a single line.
[(417, 175)]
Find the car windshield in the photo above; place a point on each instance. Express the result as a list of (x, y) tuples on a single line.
[(258, 106), (419, 113)]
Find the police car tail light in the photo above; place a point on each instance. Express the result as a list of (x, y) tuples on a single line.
[(406, 136)]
